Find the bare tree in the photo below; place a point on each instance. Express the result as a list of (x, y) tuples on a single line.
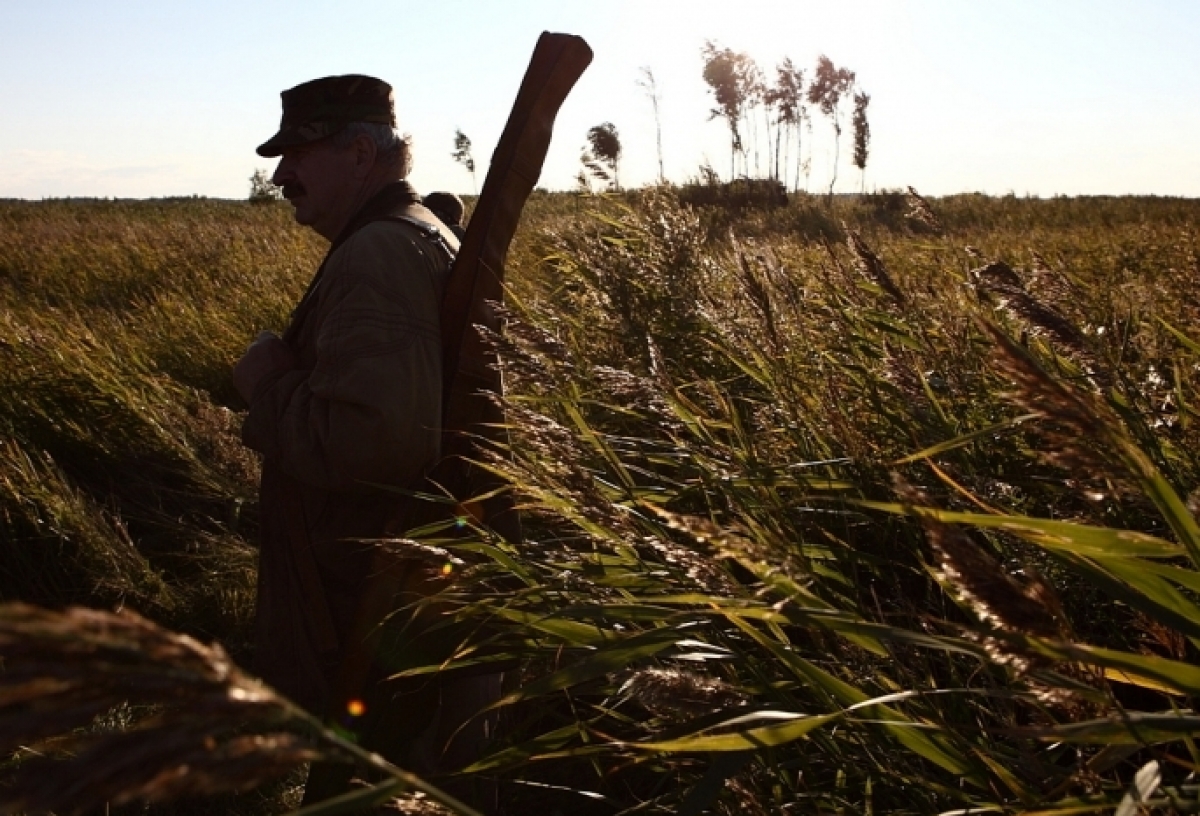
[(462, 155), (647, 83), (604, 158), (862, 133), (829, 86), (728, 76)]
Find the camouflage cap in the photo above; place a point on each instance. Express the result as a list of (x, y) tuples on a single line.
[(324, 106)]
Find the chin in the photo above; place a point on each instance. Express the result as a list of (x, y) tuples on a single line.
[(301, 214)]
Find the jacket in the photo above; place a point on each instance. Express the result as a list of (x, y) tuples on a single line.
[(360, 414)]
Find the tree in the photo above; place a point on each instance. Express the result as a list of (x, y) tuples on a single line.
[(604, 157), (462, 155), (862, 133), (756, 97), (262, 189), (647, 84), (829, 85), (729, 77), (787, 96)]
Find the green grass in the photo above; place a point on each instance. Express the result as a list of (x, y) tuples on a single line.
[(812, 526)]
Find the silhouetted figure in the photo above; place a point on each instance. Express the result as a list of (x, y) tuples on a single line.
[(449, 208)]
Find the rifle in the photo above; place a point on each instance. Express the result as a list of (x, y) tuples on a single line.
[(469, 368)]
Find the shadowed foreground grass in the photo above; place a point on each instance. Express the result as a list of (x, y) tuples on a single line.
[(882, 508)]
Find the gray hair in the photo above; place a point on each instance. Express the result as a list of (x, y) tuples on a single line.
[(392, 147)]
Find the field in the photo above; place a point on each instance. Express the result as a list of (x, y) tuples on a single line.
[(871, 505)]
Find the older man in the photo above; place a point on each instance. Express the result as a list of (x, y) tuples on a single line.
[(348, 402)]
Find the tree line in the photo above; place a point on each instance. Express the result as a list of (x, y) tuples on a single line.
[(776, 113), (769, 119)]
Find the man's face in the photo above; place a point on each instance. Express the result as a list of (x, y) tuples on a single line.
[(318, 180)]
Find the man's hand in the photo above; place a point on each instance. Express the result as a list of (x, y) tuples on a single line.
[(266, 355)]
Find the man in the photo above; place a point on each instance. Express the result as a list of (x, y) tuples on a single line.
[(348, 402)]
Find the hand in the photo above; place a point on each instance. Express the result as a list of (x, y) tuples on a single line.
[(268, 354)]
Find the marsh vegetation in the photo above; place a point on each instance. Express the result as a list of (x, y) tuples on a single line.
[(863, 505)]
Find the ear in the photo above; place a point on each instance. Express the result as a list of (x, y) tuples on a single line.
[(364, 151)]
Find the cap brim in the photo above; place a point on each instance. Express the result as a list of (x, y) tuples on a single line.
[(300, 135), (271, 147)]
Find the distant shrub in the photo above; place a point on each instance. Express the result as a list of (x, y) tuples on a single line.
[(737, 195), (887, 208), (263, 190)]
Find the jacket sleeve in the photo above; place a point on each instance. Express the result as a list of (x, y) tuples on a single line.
[(369, 409)]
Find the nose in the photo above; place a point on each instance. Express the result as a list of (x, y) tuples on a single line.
[(283, 172)]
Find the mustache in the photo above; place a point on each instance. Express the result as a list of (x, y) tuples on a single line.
[(292, 190)]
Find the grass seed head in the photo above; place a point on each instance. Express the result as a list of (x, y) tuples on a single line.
[(920, 212), (1079, 434), (62, 669), (871, 267), (676, 694), (1003, 604), (999, 282)]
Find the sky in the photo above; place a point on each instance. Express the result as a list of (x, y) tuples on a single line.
[(154, 98)]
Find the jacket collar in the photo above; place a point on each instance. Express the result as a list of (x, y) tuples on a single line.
[(391, 198)]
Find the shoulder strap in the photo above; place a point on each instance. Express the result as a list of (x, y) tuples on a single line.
[(440, 237)]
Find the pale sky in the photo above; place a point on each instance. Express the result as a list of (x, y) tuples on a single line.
[(149, 98)]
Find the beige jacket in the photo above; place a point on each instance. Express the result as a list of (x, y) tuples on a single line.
[(360, 413)]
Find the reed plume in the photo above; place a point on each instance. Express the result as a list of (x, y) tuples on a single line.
[(1078, 430), (214, 730), (1049, 283), (211, 728), (533, 358), (870, 267), (997, 281), (1010, 610), (755, 282), (920, 212)]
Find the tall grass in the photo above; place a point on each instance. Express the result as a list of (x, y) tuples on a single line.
[(875, 509), (124, 481)]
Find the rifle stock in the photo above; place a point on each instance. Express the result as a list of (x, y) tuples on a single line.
[(469, 369)]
